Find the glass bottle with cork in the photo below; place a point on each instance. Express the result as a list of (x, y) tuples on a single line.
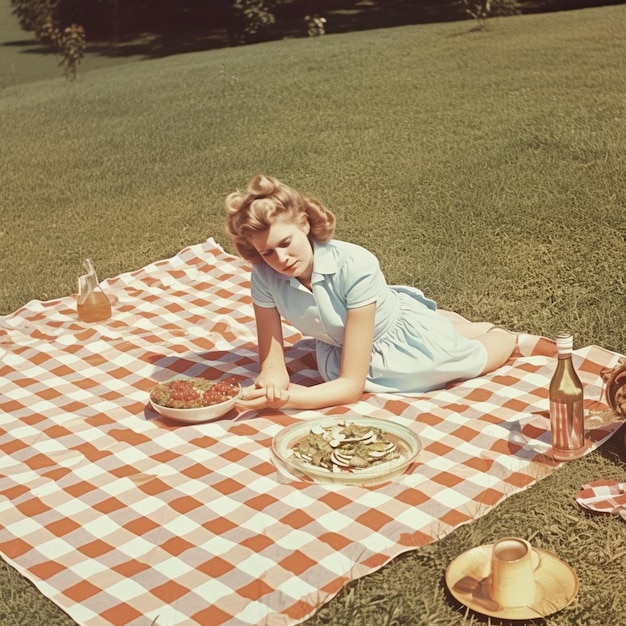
[(567, 420)]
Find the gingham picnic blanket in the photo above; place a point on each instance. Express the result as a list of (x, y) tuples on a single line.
[(121, 517)]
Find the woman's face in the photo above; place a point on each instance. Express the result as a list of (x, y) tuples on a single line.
[(285, 247)]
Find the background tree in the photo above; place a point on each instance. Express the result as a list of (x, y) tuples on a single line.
[(248, 18), (43, 18), (110, 19), (481, 10), (33, 15)]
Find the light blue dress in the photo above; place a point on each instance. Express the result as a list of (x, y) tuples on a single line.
[(416, 349)]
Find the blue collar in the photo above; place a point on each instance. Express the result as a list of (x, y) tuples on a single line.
[(324, 263)]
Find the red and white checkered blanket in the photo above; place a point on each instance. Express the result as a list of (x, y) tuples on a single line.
[(121, 517)]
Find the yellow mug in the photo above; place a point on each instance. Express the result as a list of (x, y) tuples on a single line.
[(512, 577)]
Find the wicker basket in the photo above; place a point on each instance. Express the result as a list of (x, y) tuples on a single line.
[(615, 386)]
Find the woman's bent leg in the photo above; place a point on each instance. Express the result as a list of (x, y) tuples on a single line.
[(499, 344)]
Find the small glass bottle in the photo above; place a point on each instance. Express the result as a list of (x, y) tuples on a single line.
[(92, 304), (567, 420)]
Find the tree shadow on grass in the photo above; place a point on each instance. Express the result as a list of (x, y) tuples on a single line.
[(374, 16), (341, 17), (354, 15), (152, 46)]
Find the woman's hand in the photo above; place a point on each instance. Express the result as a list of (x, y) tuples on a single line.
[(257, 398), (269, 379)]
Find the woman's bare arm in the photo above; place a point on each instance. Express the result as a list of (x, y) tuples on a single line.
[(346, 389), (271, 349)]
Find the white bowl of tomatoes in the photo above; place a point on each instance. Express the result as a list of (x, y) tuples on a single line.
[(195, 400)]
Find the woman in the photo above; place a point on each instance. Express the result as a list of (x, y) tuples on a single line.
[(369, 336)]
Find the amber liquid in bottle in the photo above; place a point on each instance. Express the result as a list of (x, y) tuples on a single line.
[(92, 304), (567, 421), (95, 308)]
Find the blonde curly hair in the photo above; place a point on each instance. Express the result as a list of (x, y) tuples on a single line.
[(267, 200)]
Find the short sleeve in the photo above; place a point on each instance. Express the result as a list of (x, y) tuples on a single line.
[(361, 278), (259, 288)]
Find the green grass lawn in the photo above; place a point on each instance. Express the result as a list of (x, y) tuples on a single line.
[(487, 168)]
